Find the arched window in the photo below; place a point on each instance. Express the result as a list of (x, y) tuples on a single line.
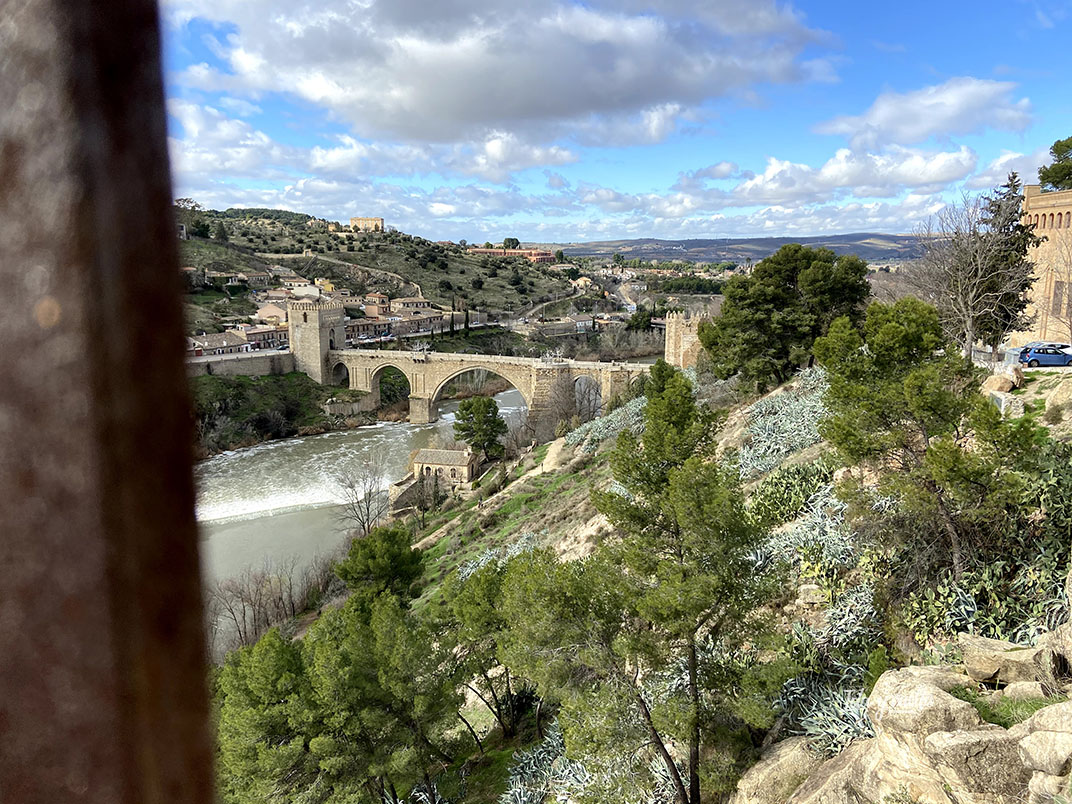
[(1036, 220), (453, 474), (1051, 220), (305, 318), (1042, 222), (1068, 220)]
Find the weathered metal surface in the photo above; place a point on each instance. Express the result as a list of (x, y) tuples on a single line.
[(102, 685)]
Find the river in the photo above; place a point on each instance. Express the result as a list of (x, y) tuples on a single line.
[(280, 500)]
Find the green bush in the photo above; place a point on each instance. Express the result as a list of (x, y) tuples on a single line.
[(784, 493)]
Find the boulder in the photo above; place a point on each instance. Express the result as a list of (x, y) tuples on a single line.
[(1049, 752), (914, 701), (1024, 691), (982, 763), (779, 772), (837, 781), (993, 660), (1060, 395), (1052, 718), (1046, 751), (998, 382)]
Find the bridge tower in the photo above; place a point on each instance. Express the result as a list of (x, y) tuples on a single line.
[(682, 344), (315, 327)]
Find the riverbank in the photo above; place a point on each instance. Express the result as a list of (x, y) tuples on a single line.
[(236, 412)]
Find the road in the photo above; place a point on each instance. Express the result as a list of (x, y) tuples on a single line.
[(375, 271)]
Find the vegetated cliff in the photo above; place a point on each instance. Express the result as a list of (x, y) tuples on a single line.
[(891, 695)]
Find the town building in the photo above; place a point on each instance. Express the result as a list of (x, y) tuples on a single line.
[(367, 224), (407, 303), (219, 343), (530, 254), (448, 466), (255, 279), (1051, 296), (271, 313)]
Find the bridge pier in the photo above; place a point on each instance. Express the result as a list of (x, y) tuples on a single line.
[(422, 410)]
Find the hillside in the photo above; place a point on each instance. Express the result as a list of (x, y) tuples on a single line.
[(444, 272), (870, 246)]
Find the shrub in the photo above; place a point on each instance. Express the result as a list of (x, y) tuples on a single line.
[(785, 492), (829, 708)]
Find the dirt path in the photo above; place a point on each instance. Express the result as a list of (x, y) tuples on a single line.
[(374, 271)]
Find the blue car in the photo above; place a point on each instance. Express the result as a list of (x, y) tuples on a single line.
[(1046, 354)]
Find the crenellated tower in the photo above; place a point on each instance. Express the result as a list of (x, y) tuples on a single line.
[(315, 327), (682, 339)]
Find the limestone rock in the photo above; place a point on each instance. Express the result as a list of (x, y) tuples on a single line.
[(836, 781), (1024, 691), (995, 660), (1061, 394), (980, 763), (998, 382), (1049, 752), (1053, 718), (914, 701), (779, 772), (810, 594)]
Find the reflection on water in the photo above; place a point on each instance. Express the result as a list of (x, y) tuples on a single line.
[(280, 499)]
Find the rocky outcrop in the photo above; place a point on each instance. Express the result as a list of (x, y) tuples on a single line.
[(778, 773), (1046, 751), (929, 746), (995, 661)]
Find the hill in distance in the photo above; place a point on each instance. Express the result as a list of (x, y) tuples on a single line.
[(868, 245)]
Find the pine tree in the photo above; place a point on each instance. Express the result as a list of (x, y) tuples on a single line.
[(1058, 174)]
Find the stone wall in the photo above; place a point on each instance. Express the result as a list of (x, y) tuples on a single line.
[(250, 364)]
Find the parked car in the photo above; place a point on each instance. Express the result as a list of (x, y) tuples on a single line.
[(1039, 353)]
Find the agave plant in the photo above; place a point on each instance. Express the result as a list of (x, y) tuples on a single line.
[(784, 423), (830, 707), (525, 543)]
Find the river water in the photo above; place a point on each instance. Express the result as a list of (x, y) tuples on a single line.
[(280, 500)]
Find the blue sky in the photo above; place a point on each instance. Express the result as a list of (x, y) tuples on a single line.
[(556, 121)]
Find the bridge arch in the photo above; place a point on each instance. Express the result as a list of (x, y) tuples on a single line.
[(340, 374), (520, 380)]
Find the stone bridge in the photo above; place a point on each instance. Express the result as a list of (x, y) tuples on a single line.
[(428, 373), (317, 330)]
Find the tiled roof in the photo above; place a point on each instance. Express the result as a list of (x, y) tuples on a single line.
[(444, 457)]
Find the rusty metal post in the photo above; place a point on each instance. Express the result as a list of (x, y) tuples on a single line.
[(102, 675)]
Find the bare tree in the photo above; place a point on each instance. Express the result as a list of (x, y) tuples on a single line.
[(365, 499), (974, 268), (588, 399)]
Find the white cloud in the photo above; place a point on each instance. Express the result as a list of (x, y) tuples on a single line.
[(213, 144), (959, 106), (457, 70), (240, 107), (997, 172)]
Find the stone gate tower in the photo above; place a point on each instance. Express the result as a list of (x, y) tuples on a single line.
[(315, 327), (682, 339)]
